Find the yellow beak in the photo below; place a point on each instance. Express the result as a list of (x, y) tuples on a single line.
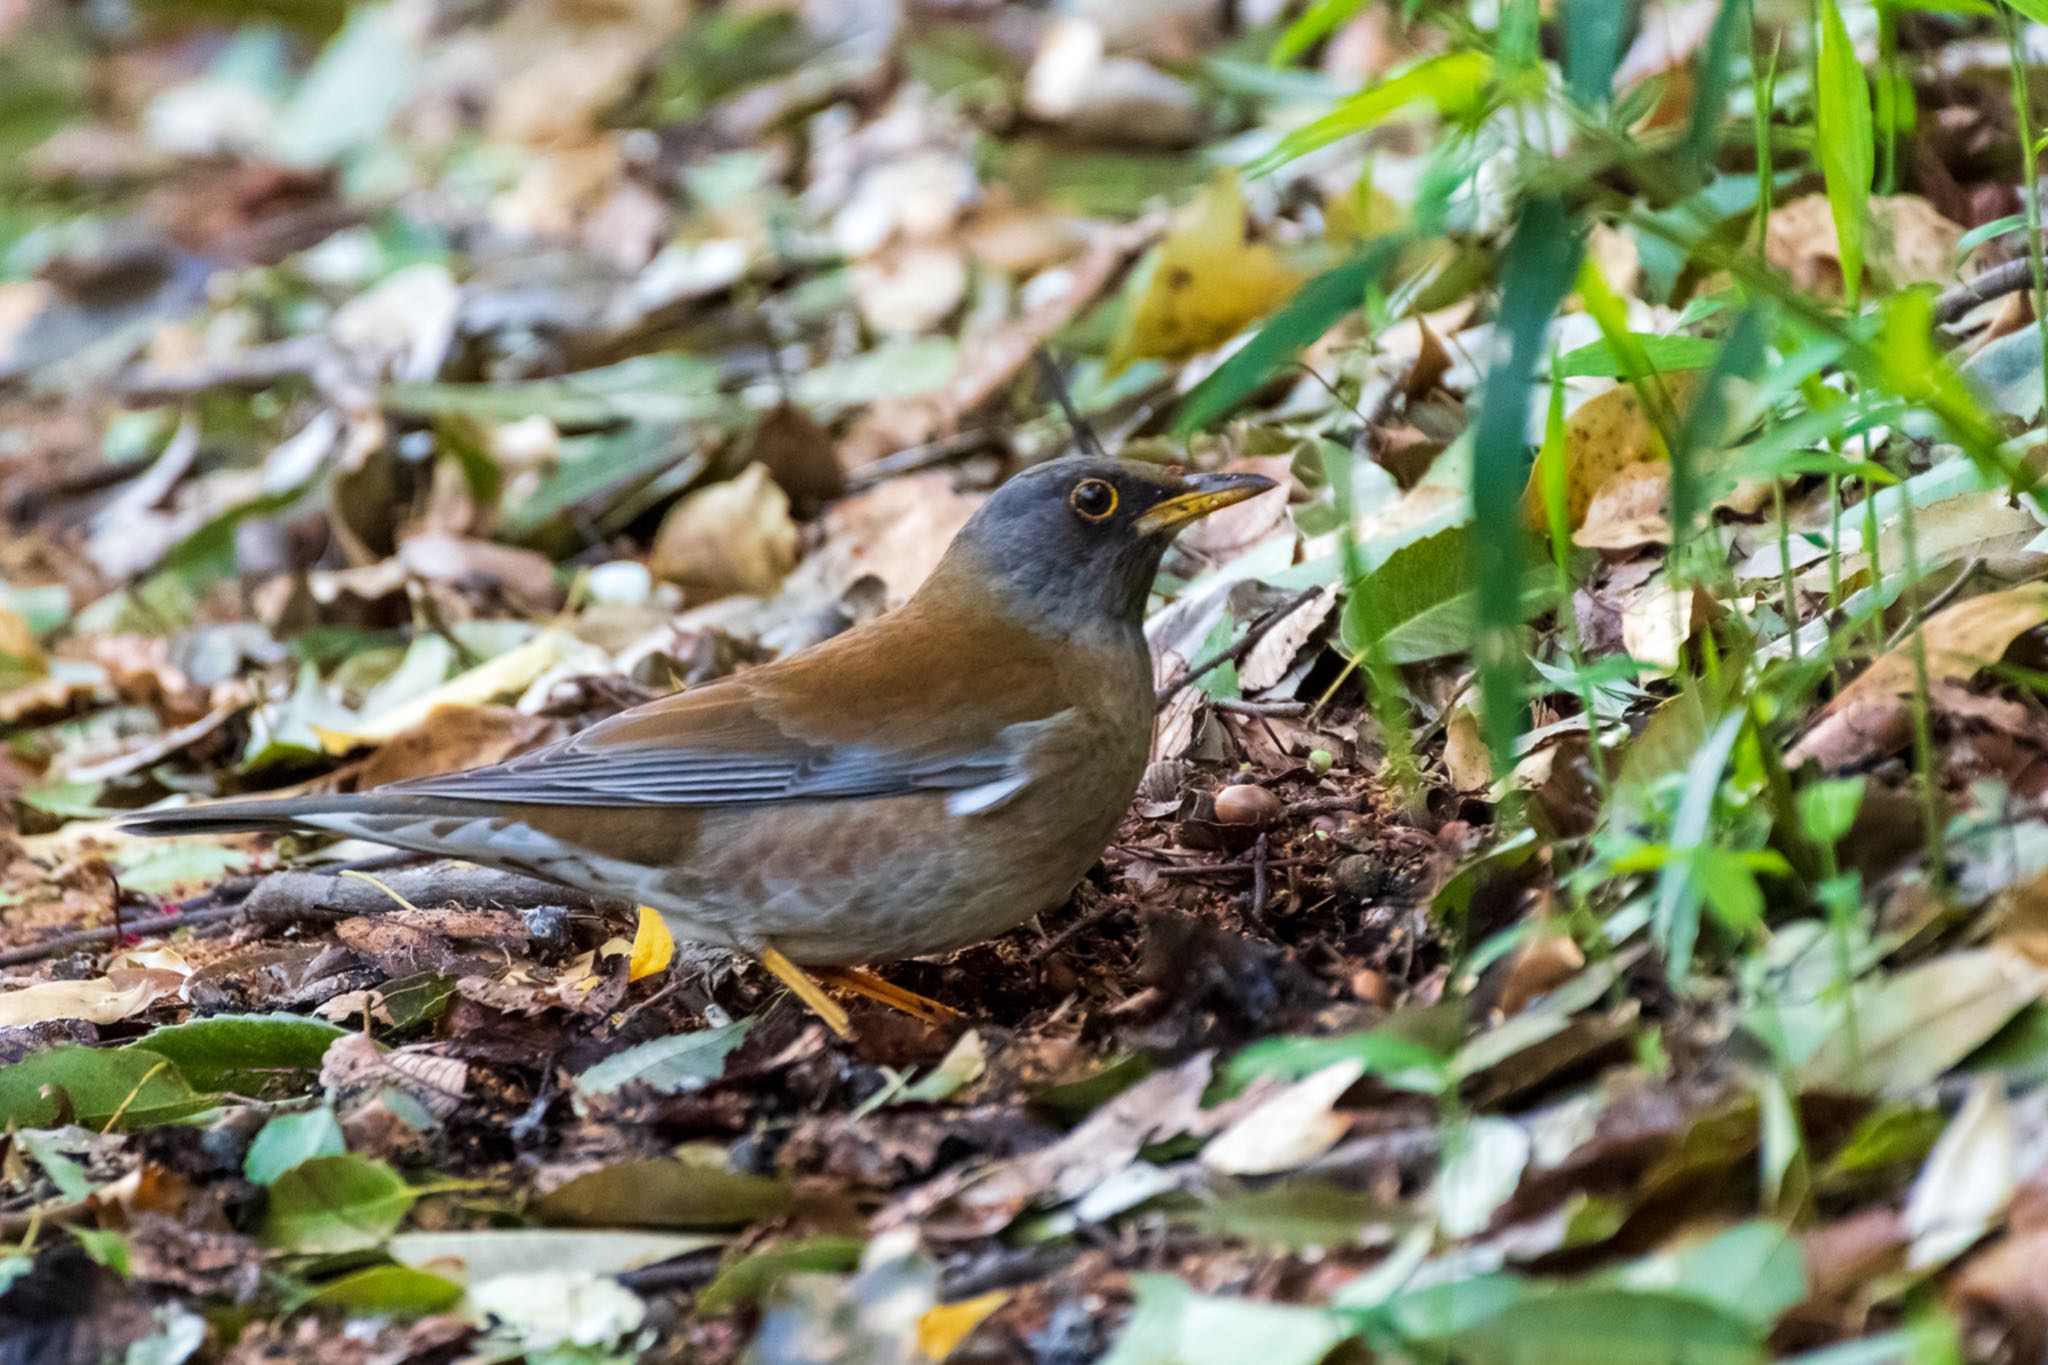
[(1204, 493)]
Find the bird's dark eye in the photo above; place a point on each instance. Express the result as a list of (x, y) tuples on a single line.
[(1094, 499)]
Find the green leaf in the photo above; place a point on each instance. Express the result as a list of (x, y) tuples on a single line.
[(1664, 353), (1754, 1271), (752, 1277), (164, 866), (1173, 1325), (290, 1139), (1318, 21), (691, 1189), (1909, 1030), (1294, 1214), (90, 1087), (1397, 1061), (674, 1065), (109, 1247), (335, 1203), (67, 1175), (1592, 45), (1455, 83), (393, 1290), (1540, 264), (1848, 157), (665, 388), (1827, 809), (1420, 604), (1675, 917), (362, 79), (244, 1053), (1594, 1325), (1710, 84)]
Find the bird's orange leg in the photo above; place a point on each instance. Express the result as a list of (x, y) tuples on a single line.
[(887, 993), (805, 989)]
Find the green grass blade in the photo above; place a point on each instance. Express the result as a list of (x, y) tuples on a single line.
[(1710, 85), (1847, 161), (1592, 46), (1456, 83), (1315, 309), (1541, 261)]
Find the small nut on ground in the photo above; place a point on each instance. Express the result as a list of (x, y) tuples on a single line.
[(1247, 804)]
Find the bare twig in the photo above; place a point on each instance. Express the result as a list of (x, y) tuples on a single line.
[(2000, 280), (1938, 601), (1237, 865), (1260, 888), (287, 893), (1254, 633), (287, 897), (1056, 383), (923, 456), (1238, 706), (93, 938)]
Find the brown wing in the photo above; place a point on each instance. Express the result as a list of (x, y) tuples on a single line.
[(852, 718)]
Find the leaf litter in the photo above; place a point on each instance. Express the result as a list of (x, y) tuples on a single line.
[(410, 388)]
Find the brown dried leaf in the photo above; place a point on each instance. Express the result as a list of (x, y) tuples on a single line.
[(989, 360), (354, 1067), (1273, 656), (1872, 716), (454, 738), (1911, 243), (735, 536), (1629, 510), (978, 1202)]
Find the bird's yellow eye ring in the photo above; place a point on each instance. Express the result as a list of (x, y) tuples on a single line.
[(1093, 499)]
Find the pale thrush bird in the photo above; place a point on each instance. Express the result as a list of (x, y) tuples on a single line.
[(916, 784)]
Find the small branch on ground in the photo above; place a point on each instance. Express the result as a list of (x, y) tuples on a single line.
[(1255, 632), (2000, 280)]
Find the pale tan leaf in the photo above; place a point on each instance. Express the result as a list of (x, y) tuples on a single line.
[(1872, 716)]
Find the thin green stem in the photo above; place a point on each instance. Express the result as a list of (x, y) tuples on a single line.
[(2030, 172)]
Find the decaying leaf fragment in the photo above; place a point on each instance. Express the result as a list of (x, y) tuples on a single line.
[(1872, 716)]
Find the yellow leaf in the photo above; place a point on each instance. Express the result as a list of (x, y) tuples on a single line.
[(943, 1328), (1609, 432), (653, 947), (1204, 284)]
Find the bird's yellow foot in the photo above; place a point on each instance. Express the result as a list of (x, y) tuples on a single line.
[(888, 993), (805, 989)]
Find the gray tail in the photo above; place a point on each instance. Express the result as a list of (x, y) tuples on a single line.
[(331, 813)]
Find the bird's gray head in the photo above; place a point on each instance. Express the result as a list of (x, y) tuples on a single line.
[(1073, 544)]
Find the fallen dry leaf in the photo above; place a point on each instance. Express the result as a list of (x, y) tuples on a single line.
[(1910, 243), (454, 738), (1268, 661), (132, 984), (1872, 716), (735, 536), (1205, 282), (1289, 1128), (976, 1203), (1629, 510), (1606, 434), (990, 359)]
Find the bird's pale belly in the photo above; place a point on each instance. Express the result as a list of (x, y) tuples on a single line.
[(877, 880)]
